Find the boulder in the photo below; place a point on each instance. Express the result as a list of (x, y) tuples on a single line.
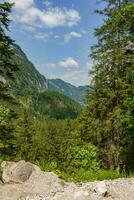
[(101, 188), (25, 181), (16, 172)]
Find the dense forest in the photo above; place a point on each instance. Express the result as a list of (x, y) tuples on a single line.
[(96, 142)]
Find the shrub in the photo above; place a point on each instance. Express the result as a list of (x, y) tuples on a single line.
[(84, 157)]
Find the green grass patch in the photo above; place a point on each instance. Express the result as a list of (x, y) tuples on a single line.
[(86, 176)]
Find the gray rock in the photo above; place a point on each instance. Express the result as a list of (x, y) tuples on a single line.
[(16, 172), (101, 188), (25, 181)]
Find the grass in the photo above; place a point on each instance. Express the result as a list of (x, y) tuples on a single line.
[(86, 176)]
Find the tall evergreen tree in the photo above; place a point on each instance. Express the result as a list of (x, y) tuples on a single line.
[(108, 119), (7, 66)]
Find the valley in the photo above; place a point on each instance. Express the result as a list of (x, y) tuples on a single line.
[(59, 140)]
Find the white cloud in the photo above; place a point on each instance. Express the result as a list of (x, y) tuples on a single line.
[(23, 4), (71, 35), (26, 12), (42, 36), (29, 28), (68, 62), (77, 77)]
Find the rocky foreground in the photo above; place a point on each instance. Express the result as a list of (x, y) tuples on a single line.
[(25, 181)]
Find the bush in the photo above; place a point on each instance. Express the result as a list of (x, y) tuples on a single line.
[(84, 158)]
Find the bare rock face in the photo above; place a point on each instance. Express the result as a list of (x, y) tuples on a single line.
[(25, 181)]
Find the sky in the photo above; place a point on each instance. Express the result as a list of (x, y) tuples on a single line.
[(57, 35)]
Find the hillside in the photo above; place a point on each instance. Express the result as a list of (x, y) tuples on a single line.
[(56, 105), (27, 76), (30, 87), (76, 93), (49, 103)]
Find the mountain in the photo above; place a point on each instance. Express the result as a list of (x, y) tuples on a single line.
[(31, 88), (76, 93), (56, 105), (54, 98), (27, 76), (49, 103)]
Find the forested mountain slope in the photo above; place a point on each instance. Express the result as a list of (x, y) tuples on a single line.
[(76, 93), (49, 103), (28, 76)]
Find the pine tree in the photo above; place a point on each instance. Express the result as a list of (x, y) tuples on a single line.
[(104, 121)]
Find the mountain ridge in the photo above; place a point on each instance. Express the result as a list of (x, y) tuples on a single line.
[(28, 77), (77, 93)]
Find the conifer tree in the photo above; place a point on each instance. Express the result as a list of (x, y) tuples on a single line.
[(7, 66), (25, 136), (108, 119), (7, 69)]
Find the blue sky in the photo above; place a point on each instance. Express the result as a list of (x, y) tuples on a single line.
[(57, 35)]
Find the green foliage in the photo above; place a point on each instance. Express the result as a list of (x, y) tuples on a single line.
[(27, 77), (108, 175), (7, 101), (26, 132), (7, 138), (50, 103), (52, 141), (108, 118), (83, 158), (7, 65), (4, 116), (84, 176), (56, 105)]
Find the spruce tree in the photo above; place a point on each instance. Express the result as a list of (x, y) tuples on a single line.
[(7, 66), (108, 119), (7, 102)]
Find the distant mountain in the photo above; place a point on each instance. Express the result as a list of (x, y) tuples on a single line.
[(27, 76), (30, 84), (56, 105), (49, 103), (76, 93)]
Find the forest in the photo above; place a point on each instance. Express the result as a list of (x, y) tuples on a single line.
[(92, 142)]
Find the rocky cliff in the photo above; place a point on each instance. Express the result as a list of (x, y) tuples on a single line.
[(25, 181)]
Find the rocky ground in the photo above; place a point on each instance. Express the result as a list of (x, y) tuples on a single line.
[(25, 181)]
